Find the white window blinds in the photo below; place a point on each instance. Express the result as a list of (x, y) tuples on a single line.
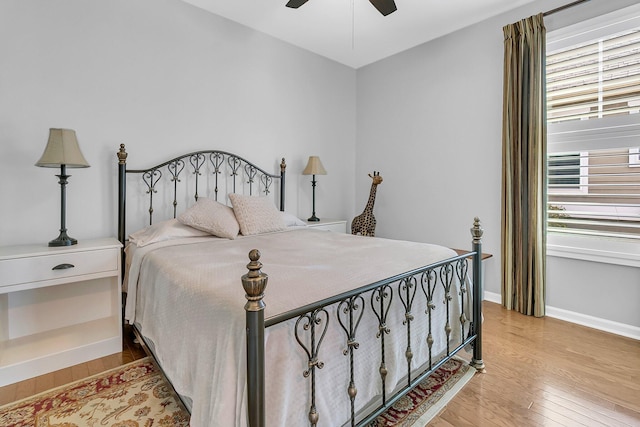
[(596, 79), (593, 117)]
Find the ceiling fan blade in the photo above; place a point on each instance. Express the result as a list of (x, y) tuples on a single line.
[(385, 7), (294, 4)]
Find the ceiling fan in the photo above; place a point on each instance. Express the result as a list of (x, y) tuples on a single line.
[(385, 7)]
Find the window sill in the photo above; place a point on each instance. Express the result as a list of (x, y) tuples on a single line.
[(605, 250)]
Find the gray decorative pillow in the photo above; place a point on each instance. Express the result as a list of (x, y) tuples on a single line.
[(212, 217), (256, 214)]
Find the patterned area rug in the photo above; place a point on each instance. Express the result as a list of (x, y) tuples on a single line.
[(132, 395), (135, 395), (428, 398)]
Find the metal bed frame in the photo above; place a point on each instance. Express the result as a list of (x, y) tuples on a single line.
[(312, 320)]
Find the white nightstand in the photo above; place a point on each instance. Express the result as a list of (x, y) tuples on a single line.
[(58, 306), (335, 225)]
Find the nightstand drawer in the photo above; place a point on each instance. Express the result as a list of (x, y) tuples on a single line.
[(39, 268)]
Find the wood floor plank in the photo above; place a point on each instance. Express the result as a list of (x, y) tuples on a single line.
[(96, 366), (440, 423), (79, 372), (62, 376), (589, 400), (44, 383), (25, 389), (8, 394), (596, 414)]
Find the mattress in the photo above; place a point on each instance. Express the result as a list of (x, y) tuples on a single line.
[(186, 298)]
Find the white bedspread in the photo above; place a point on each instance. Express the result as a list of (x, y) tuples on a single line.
[(186, 297)]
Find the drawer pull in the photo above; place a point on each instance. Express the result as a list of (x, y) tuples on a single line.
[(63, 266)]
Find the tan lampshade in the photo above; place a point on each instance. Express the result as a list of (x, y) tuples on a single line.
[(314, 167), (62, 149)]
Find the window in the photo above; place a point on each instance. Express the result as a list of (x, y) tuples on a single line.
[(593, 121), (565, 171)]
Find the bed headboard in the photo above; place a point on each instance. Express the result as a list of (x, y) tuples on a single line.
[(167, 188)]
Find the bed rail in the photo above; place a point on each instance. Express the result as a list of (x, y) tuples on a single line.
[(313, 320)]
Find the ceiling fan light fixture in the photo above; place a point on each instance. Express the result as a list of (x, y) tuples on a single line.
[(294, 4), (385, 7)]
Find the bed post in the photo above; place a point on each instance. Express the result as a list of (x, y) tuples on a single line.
[(254, 284), (283, 167), (122, 192), (122, 196), (478, 293)]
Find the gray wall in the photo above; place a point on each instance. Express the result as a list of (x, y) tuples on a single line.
[(429, 119), (164, 78)]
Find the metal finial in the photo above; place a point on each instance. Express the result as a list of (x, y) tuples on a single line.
[(476, 230), (255, 265), (254, 283), (283, 165), (122, 155)]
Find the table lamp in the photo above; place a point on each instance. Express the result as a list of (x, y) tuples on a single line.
[(62, 151), (314, 167)]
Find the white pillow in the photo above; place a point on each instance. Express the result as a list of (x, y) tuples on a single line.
[(165, 230), (256, 214), (290, 220), (212, 217)]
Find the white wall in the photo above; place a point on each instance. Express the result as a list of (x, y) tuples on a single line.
[(165, 78), (429, 119)]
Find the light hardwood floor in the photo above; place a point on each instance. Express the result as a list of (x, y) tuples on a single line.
[(540, 372), (546, 372)]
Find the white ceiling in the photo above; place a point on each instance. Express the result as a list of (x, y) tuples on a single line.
[(353, 32)]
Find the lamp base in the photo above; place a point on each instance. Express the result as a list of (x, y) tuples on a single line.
[(314, 218), (63, 240)]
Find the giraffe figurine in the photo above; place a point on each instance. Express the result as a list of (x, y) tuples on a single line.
[(365, 223)]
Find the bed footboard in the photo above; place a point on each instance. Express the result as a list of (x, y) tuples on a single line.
[(313, 320)]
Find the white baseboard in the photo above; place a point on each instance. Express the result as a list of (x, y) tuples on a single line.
[(493, 297), (617, 328)]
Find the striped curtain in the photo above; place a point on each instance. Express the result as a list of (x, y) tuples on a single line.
[(524, 155)]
